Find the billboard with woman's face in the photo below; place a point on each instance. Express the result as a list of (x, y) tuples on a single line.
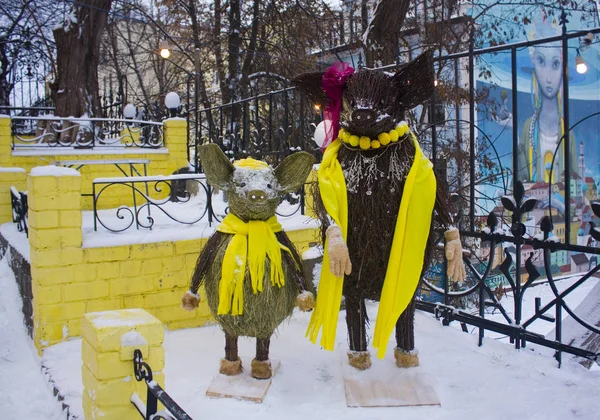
[(543, 151)]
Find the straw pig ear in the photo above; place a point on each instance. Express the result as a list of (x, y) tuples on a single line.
[(293, 171), (310, 85), (414, 82), (217, 167)]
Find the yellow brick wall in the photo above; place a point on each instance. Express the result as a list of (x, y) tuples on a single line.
[(109, 340), (69, 281), (173, 158)]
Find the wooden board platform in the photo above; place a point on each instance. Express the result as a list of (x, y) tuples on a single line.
[(243, 386), (387, 386)]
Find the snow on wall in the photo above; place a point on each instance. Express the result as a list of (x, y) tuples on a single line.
[(133, 338), (107, 319), (12, 170), (71, 151), (52, 170)]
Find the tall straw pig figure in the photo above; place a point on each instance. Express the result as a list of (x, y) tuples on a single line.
[(251, 270), (377, 196)]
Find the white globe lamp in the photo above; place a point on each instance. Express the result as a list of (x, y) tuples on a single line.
[(172, 102), (164, 49), (129, 111), (321, 132)]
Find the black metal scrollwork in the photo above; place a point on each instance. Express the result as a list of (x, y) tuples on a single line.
[(154, 394), (140, 368), (51, 131), (520, 277), (170, 206), (187, 200), (19, 205)]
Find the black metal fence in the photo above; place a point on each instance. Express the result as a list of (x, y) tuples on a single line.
[(18, 201), (155, 393), (34, 123), (84, 133), (268, 126), (164, 201), (521, 274), (529, 249)]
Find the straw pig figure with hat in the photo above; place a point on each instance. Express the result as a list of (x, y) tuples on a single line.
[(250, 269)]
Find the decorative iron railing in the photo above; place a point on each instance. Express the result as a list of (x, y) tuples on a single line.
[(183, 199), (166, 200), (155, 393), (19, 205), (268, 126), (520, 271), (84, 133)]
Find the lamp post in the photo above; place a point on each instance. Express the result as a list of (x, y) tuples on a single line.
[(197, 75)]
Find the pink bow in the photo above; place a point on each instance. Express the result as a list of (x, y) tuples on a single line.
[(333, 83)]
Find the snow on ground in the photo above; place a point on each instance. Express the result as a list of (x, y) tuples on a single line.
[(18, 240), (492, 382), (544, 292), (24, 392)]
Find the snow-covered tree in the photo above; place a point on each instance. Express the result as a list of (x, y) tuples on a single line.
[(77, 48)]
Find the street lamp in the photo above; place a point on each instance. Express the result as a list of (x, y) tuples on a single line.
[(172, 102), (580, 65), (129, 111), (164, 49)]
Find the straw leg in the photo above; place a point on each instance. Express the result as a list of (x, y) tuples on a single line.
[(405, 329), (356, 320), (262, 348), (231, 347)]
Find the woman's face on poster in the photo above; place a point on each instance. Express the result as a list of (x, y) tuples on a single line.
[(547, 63)]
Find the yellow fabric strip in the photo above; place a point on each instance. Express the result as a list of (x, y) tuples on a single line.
[(252, 242), (332, 186), (408, 248), (406, 257)]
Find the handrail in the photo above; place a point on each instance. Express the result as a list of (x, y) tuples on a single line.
[(76, 119), (154, 394)]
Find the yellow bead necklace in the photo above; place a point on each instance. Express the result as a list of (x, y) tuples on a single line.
[(365, 143)]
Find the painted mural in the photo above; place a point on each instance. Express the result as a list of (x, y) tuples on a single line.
[(539, 117)]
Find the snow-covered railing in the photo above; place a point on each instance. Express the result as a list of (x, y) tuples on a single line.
[(155, 393), (19, 205), (180, 199), (85, 133), (520, 272)]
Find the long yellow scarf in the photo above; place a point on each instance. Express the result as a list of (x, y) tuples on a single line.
[(406, 256), (252, 241)]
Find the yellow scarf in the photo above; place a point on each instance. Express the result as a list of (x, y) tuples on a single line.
[(252, 241), (406, 256)]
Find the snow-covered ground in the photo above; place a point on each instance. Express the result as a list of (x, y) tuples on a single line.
[(24, 392), (544, 292), (492, 382)]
